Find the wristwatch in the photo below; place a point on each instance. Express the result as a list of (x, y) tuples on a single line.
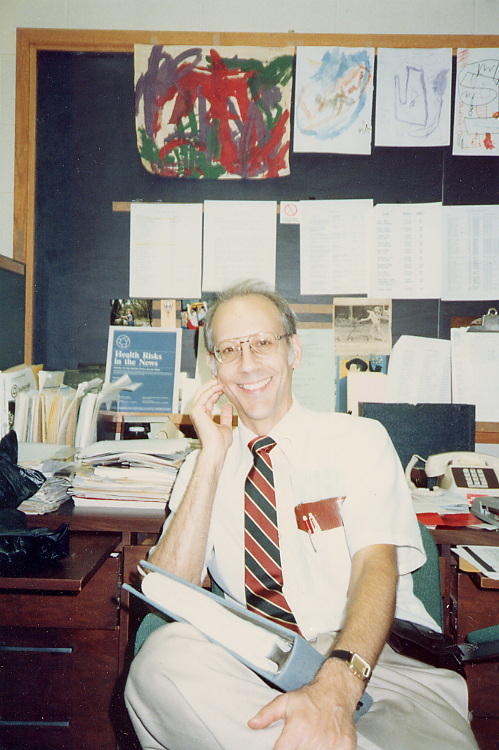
[(357, 664)]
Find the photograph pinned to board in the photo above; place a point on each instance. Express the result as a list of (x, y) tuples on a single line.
[(193, 313), (347, 369), (131, 312), (333, 100), (150, 357), (206, 113), (362, 325)]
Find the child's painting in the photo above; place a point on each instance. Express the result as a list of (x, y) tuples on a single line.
[(476, 115), (333, 107), (213, 113)]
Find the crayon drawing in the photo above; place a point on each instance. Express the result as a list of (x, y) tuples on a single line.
[(333, 106), (413, 97), (206, 113), (476, 115)]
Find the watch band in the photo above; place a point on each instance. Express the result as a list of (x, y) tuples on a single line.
[(357, 664)]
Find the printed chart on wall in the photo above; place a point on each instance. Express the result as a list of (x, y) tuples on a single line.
[(151, 358)]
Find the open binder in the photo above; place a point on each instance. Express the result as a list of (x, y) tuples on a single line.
[(282, 658)]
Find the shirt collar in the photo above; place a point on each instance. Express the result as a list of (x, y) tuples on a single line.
[(284, 432)]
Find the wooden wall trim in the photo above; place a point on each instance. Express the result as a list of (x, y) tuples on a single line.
[(12, 265)]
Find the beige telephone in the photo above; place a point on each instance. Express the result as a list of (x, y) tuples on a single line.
[(465, 473)]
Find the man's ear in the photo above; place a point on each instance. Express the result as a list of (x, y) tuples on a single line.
[(212, 364), (295, 351)]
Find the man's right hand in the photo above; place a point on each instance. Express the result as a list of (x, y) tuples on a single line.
[(214, 436)]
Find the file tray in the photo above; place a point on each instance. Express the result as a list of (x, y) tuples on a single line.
[(296, 667)]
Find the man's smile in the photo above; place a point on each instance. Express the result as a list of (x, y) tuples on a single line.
[(255, 386)]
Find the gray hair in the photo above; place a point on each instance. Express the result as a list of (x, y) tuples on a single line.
[(246, 288)]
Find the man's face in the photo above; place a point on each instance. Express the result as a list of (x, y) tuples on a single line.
[(259, 386)]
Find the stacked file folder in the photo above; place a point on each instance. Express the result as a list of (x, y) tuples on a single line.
[(129, 473)]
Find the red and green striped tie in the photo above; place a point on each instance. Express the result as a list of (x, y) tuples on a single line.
[(263, 575)]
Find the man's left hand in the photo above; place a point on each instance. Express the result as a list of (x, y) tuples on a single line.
[(315, 716)]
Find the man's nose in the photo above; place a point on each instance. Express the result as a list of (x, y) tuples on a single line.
[(248, 359)]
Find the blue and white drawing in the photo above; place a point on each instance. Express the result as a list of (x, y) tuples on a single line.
[(333, 100)]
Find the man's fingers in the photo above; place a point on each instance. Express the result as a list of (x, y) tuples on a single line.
[(270, 713), (226, 413)]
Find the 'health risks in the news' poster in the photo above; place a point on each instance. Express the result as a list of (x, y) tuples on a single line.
[(151, 357)]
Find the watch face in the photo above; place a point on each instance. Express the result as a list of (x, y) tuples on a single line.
[(360, 665)]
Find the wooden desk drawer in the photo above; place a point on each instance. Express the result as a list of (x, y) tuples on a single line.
[(57, 688), (94, 607)]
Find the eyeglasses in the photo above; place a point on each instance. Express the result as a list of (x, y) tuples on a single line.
[(229, 350)]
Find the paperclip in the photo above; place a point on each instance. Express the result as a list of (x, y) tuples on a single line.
[(310, 529)]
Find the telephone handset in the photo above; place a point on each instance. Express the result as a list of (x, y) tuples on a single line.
[(463, 472)]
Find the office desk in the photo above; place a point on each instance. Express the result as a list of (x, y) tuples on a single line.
[(467, 606), (132, 532), (137, 530), (59, 649), (471, 601)]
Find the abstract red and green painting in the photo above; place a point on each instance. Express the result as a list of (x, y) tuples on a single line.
[(207, 113)]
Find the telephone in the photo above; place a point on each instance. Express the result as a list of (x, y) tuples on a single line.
[(465, 473)]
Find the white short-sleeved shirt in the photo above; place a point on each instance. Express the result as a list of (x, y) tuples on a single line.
[(318, 456)]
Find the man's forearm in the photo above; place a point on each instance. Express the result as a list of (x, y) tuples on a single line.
[(369, 614), (181, 549)]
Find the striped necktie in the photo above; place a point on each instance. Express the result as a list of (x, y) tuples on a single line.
[(263, 574)]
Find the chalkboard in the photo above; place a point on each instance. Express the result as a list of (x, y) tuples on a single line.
[(86, 158)]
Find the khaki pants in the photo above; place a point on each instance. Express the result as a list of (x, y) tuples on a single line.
[(185, 693)]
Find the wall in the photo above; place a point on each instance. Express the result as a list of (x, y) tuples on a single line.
[(11, 318), (354, 16)]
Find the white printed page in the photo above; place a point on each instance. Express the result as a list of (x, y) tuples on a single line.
[(313, 380), (471, 253), (419, 371), (406, 251), (475, 372), (334, 246), (239, 242), (165, 250)]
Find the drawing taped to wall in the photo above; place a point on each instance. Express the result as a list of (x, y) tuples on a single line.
[(213, 113), (413, 97), (333, 107), (476, 115)]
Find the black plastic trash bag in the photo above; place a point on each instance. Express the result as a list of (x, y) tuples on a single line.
[(19, 546), (27, 547), (16, 482)]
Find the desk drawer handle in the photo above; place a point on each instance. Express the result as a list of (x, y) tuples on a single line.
[(34, 723), (48, 650)]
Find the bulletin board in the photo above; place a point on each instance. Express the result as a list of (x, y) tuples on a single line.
[(78, 169)]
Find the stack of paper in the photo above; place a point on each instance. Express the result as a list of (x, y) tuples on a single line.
[(128, 474), (486, 559)]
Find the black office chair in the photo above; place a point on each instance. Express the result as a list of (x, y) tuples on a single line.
[(428, 645)]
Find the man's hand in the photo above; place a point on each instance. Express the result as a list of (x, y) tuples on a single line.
[(318, 716), (213, 436)]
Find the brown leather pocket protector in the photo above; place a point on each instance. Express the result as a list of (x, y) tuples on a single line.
[(320, 515)]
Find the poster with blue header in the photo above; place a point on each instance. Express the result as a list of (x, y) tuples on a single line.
[(150, 357)]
